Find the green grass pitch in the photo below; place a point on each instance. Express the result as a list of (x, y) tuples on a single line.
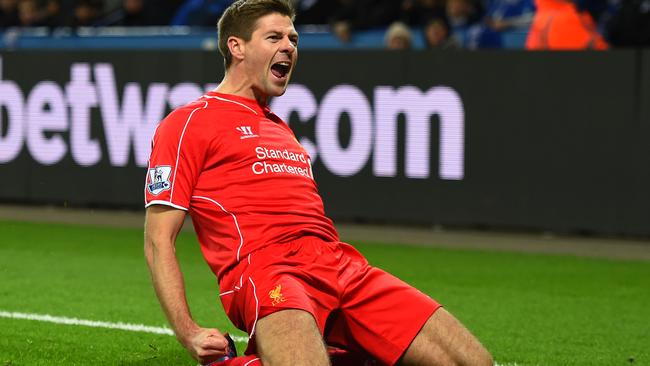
[(527, 309)]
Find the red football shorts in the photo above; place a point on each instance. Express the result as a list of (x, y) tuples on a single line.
[(356, 306)]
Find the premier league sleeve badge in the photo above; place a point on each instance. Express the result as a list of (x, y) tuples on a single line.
[(158, 179)]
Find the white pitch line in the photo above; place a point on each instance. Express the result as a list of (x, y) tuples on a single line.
[(88, 323), (121, 326), (97, 324)]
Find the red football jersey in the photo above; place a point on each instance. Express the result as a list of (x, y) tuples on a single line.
[(240, 173)]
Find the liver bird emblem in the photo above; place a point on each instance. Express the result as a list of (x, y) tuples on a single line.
[(276, 295)]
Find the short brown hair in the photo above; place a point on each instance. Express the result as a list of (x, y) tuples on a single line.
[(240, 18)]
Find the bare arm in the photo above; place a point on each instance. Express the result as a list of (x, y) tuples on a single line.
[(162, 226)]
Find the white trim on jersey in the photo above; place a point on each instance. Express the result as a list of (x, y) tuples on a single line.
[(146, 177), (146, 180), (251, 361), (257, 308), (178, 152), (153, 137), (231, 101), (226, 293), (241, 237), (165, 203)]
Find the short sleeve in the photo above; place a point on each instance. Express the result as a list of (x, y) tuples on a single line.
[(177, 154)]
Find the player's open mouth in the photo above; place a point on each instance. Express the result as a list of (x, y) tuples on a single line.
[(281, 69)]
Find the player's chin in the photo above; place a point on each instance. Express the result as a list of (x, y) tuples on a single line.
[(277, 90), (282, 91)]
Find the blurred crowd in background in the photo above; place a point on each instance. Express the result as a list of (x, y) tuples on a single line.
[(445, 24)]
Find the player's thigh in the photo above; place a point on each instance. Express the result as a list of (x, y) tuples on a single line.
[(445, 341), (379, 314), (290, 337)]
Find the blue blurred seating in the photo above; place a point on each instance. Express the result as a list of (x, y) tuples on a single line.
[(183, 37)]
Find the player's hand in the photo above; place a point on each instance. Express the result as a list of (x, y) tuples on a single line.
[(207, 345)]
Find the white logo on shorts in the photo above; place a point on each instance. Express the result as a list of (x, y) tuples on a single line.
[(159, 179)]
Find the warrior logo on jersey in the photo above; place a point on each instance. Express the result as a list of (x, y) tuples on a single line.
[(246, 132), (159, 179)]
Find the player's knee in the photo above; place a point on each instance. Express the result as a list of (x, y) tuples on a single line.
[(484, 358), (448, 342), (479, 358), (474, 355)]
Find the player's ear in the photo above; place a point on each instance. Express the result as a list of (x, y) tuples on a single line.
[(236, 46)]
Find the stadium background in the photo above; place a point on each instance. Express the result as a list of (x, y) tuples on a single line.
[(510, 140), (486, 153)]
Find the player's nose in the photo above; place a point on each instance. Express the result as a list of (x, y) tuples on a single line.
[(287, 45)]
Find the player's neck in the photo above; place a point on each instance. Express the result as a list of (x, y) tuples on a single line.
[(242, 87)]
